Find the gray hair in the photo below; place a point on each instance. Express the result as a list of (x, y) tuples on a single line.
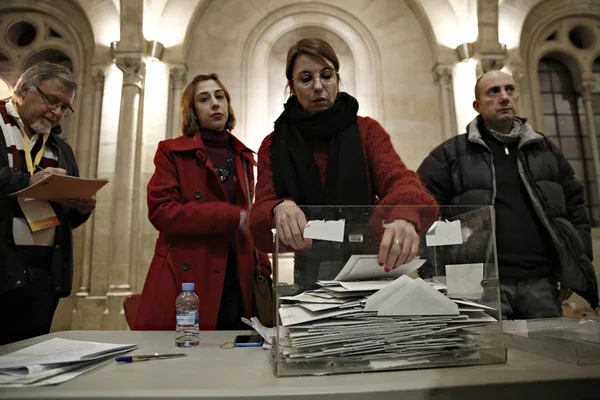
[(41, 72)]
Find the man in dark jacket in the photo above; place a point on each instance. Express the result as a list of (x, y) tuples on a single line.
[(542, 227), (36, 265)]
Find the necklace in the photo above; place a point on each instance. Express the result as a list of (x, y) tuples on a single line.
[(224, 171)]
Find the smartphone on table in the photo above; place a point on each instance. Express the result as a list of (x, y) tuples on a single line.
[(248, 341)]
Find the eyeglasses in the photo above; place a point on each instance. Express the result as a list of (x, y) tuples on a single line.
[(52, 102), (307, 79)]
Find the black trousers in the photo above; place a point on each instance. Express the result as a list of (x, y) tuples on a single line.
[(27, 312), (231, 309)]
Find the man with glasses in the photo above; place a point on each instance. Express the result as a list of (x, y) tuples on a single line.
[(36, 265)]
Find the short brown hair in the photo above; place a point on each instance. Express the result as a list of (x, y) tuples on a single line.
[(313, 47), (189, 121)]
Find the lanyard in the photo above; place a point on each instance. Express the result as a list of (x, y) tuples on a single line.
[(38, 157)]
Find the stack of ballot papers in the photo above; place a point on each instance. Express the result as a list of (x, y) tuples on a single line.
[(405, 319), (55, 361)]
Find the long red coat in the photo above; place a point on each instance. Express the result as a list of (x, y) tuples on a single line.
[(188, 205)]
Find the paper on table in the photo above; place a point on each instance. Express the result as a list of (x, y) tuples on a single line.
[(464, 280), (266, 333), (366, 267), (325, 230), (60, 187), (42, 375), (516, 327), (57, 351), (444, 233)]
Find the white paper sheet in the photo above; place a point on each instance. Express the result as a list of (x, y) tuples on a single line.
[(378, 298), (57, 350), (464, 280), (325, 230), (417, 298), (266, 333), (444, 233), (297, 315), (366, 267)]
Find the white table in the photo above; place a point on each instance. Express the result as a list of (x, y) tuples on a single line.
[(209, 372)]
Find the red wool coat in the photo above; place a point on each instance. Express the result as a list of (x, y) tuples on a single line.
[(188, 205), (390, 183)]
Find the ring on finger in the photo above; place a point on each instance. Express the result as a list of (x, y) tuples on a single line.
[(396, 242)]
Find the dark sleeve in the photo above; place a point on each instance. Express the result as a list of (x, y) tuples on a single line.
[(12, 180), (434, 172), (575, 199)]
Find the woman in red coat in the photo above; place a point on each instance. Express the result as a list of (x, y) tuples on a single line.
[(197, 200), (322, 153)]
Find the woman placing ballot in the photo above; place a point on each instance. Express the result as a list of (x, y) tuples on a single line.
[(198, 201), (322, 154)]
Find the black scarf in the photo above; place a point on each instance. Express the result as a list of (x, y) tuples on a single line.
[(295, 171)]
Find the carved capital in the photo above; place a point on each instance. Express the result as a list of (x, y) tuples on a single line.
[(178, 77), (491, 62), (442, 75), (98, 78), (133, 70), (585, 88)]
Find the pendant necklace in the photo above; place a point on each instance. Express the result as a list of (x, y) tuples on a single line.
[(224, 171)]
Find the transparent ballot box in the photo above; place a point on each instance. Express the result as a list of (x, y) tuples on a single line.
[(339, 311), (570, 340)]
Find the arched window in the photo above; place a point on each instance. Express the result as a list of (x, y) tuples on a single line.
[(564, 119)]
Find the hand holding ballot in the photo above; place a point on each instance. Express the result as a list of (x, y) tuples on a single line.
[(399, 244), (290, 220)]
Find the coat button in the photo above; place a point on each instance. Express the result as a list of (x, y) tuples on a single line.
[(186, 266), (198, 194), (57, 247)]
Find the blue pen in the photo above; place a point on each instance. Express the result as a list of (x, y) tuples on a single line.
[(38, 168), (148, 357)]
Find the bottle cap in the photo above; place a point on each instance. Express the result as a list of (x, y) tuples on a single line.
[(188, 286)]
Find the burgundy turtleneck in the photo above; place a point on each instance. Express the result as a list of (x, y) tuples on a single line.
[(217, 144)]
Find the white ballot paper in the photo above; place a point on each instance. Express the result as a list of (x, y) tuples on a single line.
[(444, 233), (464, 280), (366, 267), (332, 231)]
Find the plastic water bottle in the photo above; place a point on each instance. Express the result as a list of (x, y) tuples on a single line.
[(187, 333)]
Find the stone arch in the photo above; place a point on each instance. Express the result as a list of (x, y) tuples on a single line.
[(286, 19), (63, 27), (545, 33)]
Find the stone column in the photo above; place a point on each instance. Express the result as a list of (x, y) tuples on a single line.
[(121, 244), (92, 171), (177, 81), (443, 78), (585, 89), (488, 50)]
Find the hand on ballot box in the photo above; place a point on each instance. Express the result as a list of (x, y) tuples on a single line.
[(399, 244)]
